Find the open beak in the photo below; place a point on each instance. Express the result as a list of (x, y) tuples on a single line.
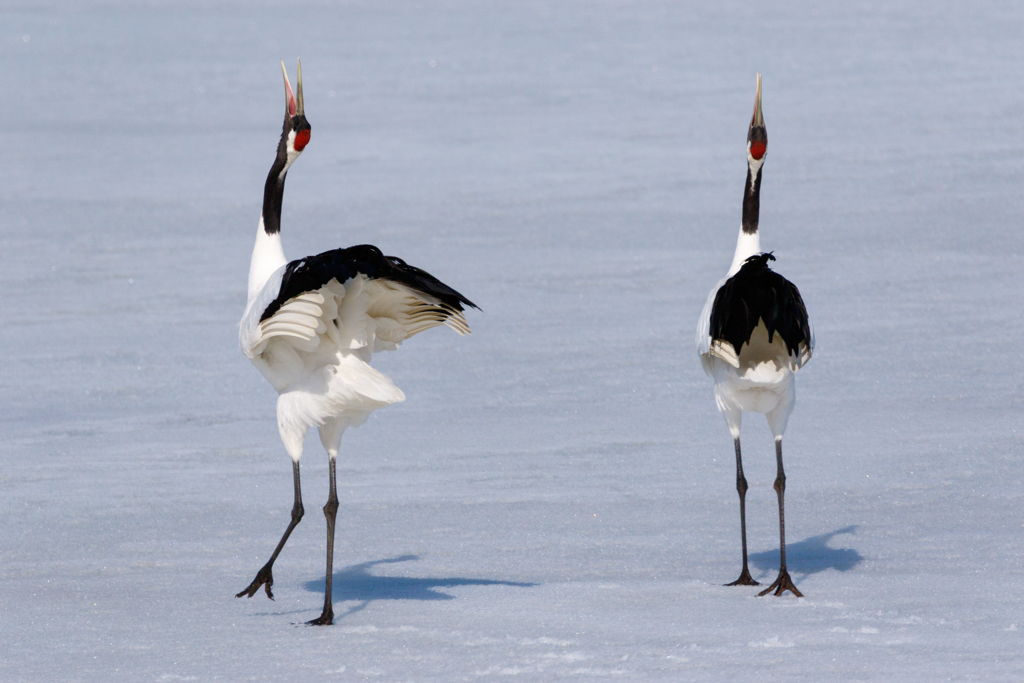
[(757, 121), (302, 109), (290, 106), (757, 136)]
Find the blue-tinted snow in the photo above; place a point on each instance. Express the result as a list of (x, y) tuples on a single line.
[(555, 500)]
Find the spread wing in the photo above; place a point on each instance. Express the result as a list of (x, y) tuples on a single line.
[(353, 298)]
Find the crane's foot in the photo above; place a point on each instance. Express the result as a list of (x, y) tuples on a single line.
[(744, 580), (265, 578), (782, 584), (325, 619)]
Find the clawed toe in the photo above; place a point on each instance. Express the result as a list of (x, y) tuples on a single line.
[(263, 578), (782, 584), (745, 579), (325, 619)]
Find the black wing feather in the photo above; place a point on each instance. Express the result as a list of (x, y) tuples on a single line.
[(313, 272), (756, 293)]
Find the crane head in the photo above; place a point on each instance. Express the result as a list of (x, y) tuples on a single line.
[(296, 127), (757, 136)]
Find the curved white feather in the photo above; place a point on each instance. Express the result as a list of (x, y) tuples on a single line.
[(249, 332), (703, 338), (317, 346)]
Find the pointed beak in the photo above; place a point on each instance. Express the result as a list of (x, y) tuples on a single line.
[(301, 108), (289, 96), (757, 136), (757, 120)]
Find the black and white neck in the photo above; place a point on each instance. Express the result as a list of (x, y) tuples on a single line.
[(748, 243), (267, 253)]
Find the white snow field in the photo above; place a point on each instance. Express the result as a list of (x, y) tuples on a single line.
[(556, 499)]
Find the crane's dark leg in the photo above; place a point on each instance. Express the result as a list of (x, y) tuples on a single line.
[(264, 577), (331, 513), (741, 487), (783, 583)]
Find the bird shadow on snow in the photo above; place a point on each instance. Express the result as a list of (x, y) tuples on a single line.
[(811, 555), (356, 583)]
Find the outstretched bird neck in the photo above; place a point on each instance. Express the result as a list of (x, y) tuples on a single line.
[(268, 253), (293, 140), (748, 242), (752, 195)]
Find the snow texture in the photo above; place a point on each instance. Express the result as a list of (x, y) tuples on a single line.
[(556, 498)]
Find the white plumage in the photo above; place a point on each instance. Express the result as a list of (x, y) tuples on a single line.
[(752, 337), (316, 351), (311, 327)]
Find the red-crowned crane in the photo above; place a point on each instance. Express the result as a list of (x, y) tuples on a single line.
[(311, 326), (752, 337)]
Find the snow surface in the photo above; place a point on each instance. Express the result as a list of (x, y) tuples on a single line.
[(556, 498)]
